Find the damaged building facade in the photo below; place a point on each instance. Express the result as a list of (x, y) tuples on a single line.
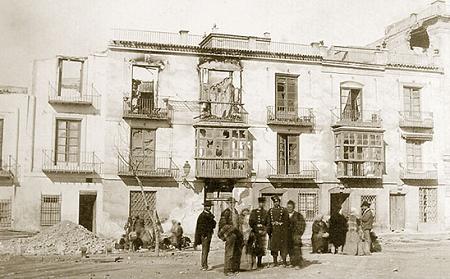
[(209, 117)]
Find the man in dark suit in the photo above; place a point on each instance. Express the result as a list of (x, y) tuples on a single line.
[(297, 226), (229, 231), (278, 231), (258, 223), (367, 218), (204, 231)]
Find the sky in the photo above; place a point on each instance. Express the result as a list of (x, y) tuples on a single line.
[(37, 29)]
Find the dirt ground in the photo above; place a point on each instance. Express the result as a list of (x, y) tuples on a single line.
[(416, 256)]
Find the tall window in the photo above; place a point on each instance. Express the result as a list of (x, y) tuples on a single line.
[(427, 205), (143, 88), (411, 102), (143, 146), (67, 141), (1, 142), (286, 97), (221, 95), (351, 104), (288, 154), (70, 72), (5, 213), (50, 210), (413, 155), (225, 143), (308, 205)]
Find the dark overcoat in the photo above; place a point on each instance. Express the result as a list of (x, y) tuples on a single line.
[(205, 226), (278, 228)]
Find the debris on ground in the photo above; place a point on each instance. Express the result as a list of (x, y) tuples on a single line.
[(64, 238)]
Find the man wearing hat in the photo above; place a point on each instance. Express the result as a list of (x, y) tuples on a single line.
[(258, 223), (203, 232), (229, 231), (367, 218), (278, 230)]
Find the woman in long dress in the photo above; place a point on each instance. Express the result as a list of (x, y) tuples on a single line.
[(248, 259), (353, 239)]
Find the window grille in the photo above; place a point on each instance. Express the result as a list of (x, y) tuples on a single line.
[(427, 205), (372, 199), (50, 210), (5, 213), (308, 205)]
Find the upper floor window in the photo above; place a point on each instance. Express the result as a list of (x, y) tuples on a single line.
[(411, 102), (220, 95), (413, 155), (286, 96), (351, 104), (143, 88), (70, 76), (142, 149), (288, 154), (68, 134), (226, 143)]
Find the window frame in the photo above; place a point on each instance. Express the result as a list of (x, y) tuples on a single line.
[(302, 207), (67, 141), (52, 211), (425, 209), (61, 71)]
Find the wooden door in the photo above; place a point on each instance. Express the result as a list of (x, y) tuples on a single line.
[(142, 149), (397, 212), (286, 95), (86, 214)]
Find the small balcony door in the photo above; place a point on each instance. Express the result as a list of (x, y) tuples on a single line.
[(411, 103), (143, 89), (414, 155), (142, 149), (351, 104), (286, 97), (67, 141), (288, 154)]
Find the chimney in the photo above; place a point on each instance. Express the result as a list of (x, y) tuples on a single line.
[(183, 36), (413, 17), (267, 35)]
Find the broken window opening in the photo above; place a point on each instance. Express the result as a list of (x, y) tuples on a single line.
[(70, 73), (143, 89), (351, 104), (419, 38)]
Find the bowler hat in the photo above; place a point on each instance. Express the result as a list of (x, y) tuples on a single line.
[(207, 203), (365, 203)]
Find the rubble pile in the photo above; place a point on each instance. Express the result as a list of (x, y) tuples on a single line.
[(64, 238)]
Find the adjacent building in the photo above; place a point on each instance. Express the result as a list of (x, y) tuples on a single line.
[(196, 118)]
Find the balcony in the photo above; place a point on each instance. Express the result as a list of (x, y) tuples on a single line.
[(8, 171), (142, 113), (421, 171), (161, 167), (356, 118), (359, 170), (307, 172), (90, 97), (222, 168), (82, 163), (290, 120), (416, 119)]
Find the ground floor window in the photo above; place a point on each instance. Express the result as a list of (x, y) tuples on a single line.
[(137, 204), (372, 199), (308, 205), (50, 210), (427, 205), (5, 213)]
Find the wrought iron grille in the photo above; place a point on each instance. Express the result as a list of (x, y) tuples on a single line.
[(50, 210), (5, 213), (428, 205), (372, 199), (308, 205), (137, 204)]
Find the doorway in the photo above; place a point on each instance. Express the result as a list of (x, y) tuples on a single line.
[(397, 212), (338, 201), (87, 211)]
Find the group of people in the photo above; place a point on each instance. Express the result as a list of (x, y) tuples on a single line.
[(245, 235), (351, 235)]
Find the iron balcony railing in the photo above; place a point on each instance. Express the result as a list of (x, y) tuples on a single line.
[(357, 118), (221, 168), (8, 167), (155, 37), (416, 119), (281, 115), (305, 170), (418, 171), (89, 97), (82, 162), (144, 108), (146, 166), (363, 170)]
